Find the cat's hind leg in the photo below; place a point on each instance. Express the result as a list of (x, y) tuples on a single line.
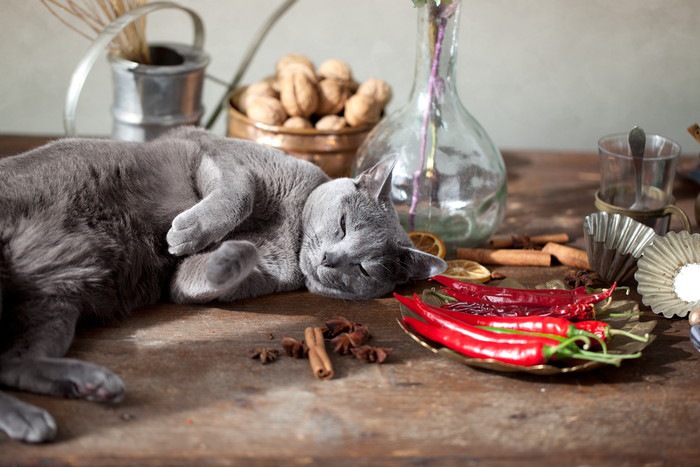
[(32, 362), (208, 276)]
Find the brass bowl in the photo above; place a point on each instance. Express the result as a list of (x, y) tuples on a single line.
[(333, 151)]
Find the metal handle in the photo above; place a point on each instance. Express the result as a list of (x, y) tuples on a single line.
[(103, 39), (673, 209)]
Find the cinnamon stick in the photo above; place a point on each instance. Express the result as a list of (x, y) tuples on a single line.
[(318, 357), (568, 256), (507, 242), (506, 257)]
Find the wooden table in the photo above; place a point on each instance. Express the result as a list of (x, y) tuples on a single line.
[(194, 397)]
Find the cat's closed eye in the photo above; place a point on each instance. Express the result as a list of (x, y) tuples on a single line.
[(342, 224), (363, 270)]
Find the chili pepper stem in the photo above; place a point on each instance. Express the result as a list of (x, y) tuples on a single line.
[(600, 341), (515, 331), (620, 332), (579, 333), (443, 296), (624, 315), (566, 343)]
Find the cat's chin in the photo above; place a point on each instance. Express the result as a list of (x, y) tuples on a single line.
[(320, 289), (329, 283)]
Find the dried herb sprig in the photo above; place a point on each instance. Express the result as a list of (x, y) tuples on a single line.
[(89, 17)]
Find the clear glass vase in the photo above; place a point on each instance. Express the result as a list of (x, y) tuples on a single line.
[(450, 178)]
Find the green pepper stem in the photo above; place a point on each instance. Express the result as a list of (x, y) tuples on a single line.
[(517, 331), (620, 332), (566, 350), (443, 296)]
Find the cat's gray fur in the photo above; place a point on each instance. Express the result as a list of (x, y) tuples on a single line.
[(93, 228)]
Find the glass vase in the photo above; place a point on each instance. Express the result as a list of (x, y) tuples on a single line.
[(449, 178)]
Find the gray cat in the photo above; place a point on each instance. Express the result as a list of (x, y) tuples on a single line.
[(97, 229)]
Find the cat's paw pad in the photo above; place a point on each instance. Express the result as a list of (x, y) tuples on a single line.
[(94, 383), (186, 235), (230, 263), (27, 423)]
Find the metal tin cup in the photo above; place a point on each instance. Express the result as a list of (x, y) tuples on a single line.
[(618, 181), (148, 99)]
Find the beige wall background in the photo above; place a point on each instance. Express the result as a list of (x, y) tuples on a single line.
[(538, 74)]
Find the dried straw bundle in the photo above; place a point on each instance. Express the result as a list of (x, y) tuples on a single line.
[(93, 15)]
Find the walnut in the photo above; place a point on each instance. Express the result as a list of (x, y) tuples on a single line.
[(336, 70), (252, 92), (296, 68), (296, 59), (362, 110), (297, 123), (377, 89), (299, 95), (332, 95), (331, 123), (267, 110), (274, 83)]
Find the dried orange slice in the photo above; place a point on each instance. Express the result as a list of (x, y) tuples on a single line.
[(466, 270), (428, 242)]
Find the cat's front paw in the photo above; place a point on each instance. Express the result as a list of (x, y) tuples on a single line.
[(187, 234), (25, 422), (230, 263)]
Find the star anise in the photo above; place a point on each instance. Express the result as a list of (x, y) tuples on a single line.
[(371, 354), (585, 278), (524, 242), (345, 342), (264, 354), (294, 348), (337, 326)]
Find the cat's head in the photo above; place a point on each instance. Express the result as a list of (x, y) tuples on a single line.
[(353, 246)]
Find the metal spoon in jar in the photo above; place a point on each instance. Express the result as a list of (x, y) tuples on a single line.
[(637, 140)]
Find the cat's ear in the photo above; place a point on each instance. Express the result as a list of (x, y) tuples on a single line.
[(420, 265), (377, 180)]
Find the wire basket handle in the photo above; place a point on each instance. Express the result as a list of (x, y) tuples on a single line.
[(103, 39)]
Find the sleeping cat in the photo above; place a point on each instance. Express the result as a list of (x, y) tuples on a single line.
[(95, 228)]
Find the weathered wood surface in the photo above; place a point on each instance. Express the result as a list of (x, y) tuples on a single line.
[(194, 397)]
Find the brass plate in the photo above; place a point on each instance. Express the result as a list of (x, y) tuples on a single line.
[(618, 345)]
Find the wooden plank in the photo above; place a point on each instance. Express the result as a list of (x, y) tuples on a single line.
[(195, 398)]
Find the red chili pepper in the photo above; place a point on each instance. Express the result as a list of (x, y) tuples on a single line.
[(440, 317), (530, 354), (598, 328), (605, 332), (521, 354), (541, 324), (465, 291), (574, 311), (553, 326), (475, 288)]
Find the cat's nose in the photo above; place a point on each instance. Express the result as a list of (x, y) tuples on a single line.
[(330, 259)]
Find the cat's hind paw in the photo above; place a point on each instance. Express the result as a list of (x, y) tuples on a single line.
[(25, 422), (84, 380), (230, 263)]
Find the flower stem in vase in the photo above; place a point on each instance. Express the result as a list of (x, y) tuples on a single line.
[(449, 178), (427, 121)]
